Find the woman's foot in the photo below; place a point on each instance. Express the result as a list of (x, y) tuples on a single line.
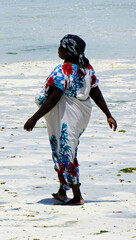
[(75, 201), (60, 197)]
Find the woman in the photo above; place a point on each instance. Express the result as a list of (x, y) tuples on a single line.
[(64, 101)]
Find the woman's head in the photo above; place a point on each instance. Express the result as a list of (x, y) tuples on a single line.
[(73, 46)]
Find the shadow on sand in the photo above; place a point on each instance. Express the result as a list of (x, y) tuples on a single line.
[(52, 201)]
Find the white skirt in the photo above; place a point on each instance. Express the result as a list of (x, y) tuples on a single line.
[(65, 123)]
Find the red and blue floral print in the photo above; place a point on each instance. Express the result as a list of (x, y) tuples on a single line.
[(66, 164), (70, 79), (69, 118)]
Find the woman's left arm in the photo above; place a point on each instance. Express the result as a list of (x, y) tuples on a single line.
[(49, 103), (98, 98)]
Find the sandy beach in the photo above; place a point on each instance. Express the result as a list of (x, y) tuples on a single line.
[(27, 177)]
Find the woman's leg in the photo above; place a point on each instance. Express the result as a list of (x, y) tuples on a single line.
[(77, 199), (61, 194)]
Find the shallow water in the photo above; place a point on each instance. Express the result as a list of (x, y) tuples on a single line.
[(31, 30)]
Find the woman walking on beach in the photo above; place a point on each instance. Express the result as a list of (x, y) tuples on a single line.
[(65, 102)]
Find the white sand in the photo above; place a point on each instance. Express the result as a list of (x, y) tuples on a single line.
[(27, 177)]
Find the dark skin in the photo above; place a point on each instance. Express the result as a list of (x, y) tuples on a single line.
[(55, 95), (49, 103), (98, 98)]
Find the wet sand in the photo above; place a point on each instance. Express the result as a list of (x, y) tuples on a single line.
[(27, 177)]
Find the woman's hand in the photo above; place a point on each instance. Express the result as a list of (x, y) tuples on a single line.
[(112, 123), (29, 125)]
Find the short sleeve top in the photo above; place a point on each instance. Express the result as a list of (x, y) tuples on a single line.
[(71, 80)]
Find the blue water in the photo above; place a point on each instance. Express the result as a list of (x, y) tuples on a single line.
[(30, 30)]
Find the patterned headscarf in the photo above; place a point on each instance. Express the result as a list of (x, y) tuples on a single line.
[(75, 47)]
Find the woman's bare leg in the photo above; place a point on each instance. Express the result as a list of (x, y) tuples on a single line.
[(77, 199), (61, 194)]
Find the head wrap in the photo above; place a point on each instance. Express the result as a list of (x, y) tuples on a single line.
[(75, 47)]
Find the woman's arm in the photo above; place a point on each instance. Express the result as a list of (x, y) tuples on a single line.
[(49, 103), (98, 98)]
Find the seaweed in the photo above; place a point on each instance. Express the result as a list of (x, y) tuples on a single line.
[(122, 131), (128, 170), (101, 232)]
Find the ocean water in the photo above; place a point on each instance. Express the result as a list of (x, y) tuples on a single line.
[(31, 30)]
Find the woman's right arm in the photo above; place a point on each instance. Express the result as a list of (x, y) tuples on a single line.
[(49, 103)]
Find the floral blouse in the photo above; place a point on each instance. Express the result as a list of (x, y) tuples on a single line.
[(71, 80)]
